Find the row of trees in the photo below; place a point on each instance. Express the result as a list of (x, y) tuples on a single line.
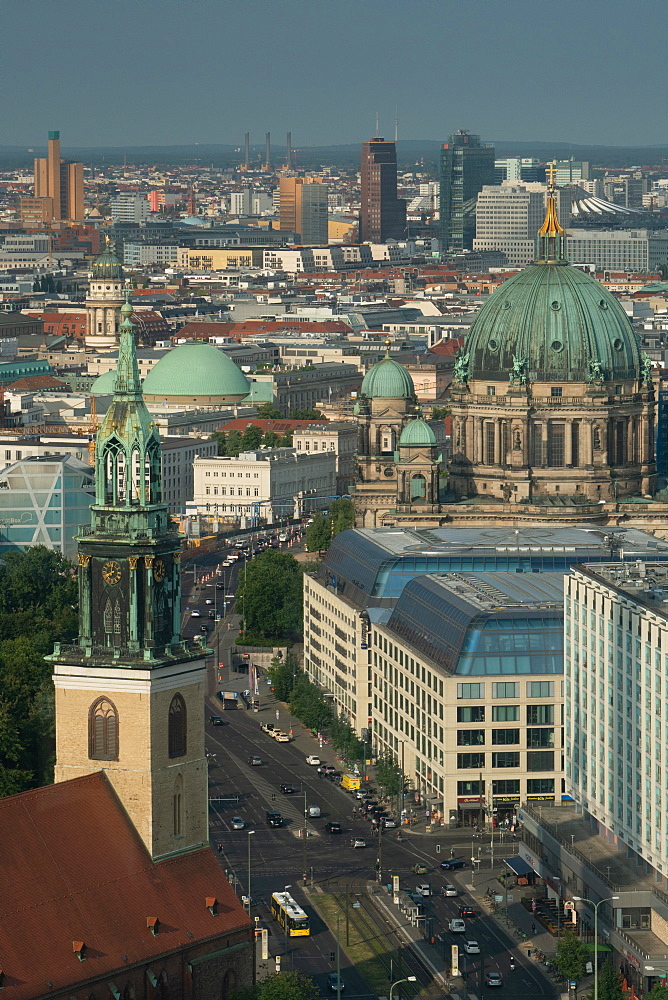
[(234, 442), (270, 412), (324, 527), (571, 961), (284, 986), (38, 606), (308, 704), (269, 597)]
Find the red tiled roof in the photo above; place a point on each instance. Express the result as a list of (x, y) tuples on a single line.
[(73, 868), (269, 424), (32, 383), (448, 347)]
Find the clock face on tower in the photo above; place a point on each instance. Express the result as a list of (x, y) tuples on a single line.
[(111, 572), (158, 570)]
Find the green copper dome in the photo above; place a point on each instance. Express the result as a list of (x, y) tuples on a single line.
[(388, 380), (552, 323), (196, 370), (417, 434), (107, 266), (104, 383)]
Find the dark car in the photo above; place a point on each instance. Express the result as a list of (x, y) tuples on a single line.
[(466, 911), (220, 586), (216, 720), (333, 827), (204, 628), (287, 789), (274, 818), (453, 864), (335, 983)]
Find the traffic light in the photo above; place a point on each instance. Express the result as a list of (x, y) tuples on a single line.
[(273, 796), (332, 956)]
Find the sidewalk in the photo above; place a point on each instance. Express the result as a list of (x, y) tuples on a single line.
[(519, 918)]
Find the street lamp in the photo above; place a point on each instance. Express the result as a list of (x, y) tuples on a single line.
[(583, 899), (249, 835), (408, 979)]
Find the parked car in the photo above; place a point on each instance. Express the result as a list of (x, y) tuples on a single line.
[(335, 983), (328, 768), (471, 947), (457, 926), (332, 827), (266, 727), (282, 738), (453, 864), (313, 760), (389, 823), (237, 823), (255, 761), (449, 890), (493, 979)]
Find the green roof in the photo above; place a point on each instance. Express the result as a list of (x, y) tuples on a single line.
[(104, 383), (388, 380), (196, 369), (557, 318), (260, 392), (417, 434), (107, 265)]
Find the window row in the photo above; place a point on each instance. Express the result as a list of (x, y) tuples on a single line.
[(103, 729), (536, 715), (508, 786), (541, 760), (506, 689), (536, 738)]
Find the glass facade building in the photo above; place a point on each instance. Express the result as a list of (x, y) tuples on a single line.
[(43, 501), (467, 165)]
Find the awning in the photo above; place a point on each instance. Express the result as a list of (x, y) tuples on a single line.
[(519, 865)]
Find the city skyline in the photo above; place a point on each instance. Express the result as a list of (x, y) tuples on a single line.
[(155, 74)]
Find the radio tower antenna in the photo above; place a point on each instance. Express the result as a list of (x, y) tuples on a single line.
[(377, 125)]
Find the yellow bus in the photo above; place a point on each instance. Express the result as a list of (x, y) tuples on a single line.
[(289, 914)]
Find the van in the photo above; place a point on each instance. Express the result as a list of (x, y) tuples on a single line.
[(350, 782), (274, 818)]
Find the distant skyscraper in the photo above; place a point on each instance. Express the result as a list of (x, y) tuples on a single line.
[(60, 181), (382, 214), (466, 166), (303, 209)]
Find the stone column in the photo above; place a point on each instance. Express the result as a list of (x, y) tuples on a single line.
[(85, 601), (133, 617), (586, 442), (478, 455), (497, 442), (568, 443), (630, 451), (470, 439), (544, 441)]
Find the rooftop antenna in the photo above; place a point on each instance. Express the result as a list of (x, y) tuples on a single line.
[(396, 125), (377, 125)]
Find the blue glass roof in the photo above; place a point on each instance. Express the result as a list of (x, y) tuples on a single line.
[(473, 624)]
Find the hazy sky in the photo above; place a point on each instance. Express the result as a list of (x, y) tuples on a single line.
[(127, 72)]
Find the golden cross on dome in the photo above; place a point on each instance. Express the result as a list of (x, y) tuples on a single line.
[(551, 171)]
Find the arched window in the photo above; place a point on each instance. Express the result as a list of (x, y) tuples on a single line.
[(229, 984), (102, 730), (178, 806), (177, 727), (418, 488), (108, 616)]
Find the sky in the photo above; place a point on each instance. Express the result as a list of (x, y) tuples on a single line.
[(171, 72)]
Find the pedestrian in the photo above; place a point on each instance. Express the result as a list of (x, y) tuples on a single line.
[(533, 928), (220, 848)]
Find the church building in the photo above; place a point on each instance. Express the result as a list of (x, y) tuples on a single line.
[(109, 883)]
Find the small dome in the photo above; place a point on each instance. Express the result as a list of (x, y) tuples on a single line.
[(196, 371), (107, 266), (388, 380), (417, 434), (104, 383), (560, 320)]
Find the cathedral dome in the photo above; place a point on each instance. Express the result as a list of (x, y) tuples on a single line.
[(107, 266), (388, 380), (417, 434), (104, 383), (557, 322), (196, 371)]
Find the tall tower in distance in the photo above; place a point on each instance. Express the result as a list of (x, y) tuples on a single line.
[(382, 214), (303, 209), (129, 692), (466, 166), (60, 181), (104, 301)]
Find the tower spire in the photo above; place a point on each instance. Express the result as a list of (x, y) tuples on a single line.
[(128, 383), (551, 233)]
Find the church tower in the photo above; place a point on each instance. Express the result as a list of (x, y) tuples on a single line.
[(104, 301), (130, 692)]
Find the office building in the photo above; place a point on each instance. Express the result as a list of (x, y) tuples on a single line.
[(61, 182), (466, 165), (382, 214), (619, 249), (266, 484), (508, 217), (338, 438), (517, 168), (129, 207), (571, 171), (303, 209)]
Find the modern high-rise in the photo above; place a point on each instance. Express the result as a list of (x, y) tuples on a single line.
[(509, 215), (466, 166), (303, 209), (129, 206), (61, 182), (382, 214)]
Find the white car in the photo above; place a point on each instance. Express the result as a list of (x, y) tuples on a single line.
[(471, 947), (449, 890), (282, 738), (195, 614), (208, 601), (423, 890), (237, 823), (457, 926), (358, 842), (390, 824), (313, 760)]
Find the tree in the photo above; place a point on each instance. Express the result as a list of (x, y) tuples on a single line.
[(221, 439), (657, 992), (288, 986), (268, 411), (610, 983), (285, 440), (271, 439), (283, 674), (440, 413), (341, 515), (270, 596), (318, 533), (251, 438), (389, 776), (234, 443), (571, 957), (306, 415)]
